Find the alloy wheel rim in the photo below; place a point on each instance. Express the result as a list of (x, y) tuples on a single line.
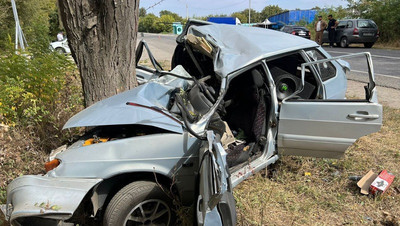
[(149, 212)]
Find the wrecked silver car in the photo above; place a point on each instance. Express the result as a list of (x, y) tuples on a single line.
[(236, 99)]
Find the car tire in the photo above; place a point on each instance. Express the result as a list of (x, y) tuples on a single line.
[(60, 50), (343, 42), (368, 44), (140, 203)]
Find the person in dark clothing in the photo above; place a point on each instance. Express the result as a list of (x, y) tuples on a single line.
[(332, 24)]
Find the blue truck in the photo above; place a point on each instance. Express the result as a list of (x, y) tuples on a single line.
[(224, 20)]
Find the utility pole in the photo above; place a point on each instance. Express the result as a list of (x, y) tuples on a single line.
[(187, 14), (19, 35), (249, 11)]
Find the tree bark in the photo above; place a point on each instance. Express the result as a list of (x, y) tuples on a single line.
[(102, 38)]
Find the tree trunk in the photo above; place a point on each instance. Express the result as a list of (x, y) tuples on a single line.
[(102, 38)]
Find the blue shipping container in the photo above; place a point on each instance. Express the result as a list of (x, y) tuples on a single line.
[(294, 16)]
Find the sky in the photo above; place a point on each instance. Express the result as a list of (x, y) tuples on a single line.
[(207, 7)]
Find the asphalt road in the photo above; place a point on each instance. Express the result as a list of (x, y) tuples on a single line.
[(386, 62), (161, 45), (386, 65)]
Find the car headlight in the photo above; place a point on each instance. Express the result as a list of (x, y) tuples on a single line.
[(51, 164)]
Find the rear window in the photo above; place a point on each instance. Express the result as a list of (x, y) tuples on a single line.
[(366, 24), (287, 29), (326, 70), (342, 24), (300, 28)]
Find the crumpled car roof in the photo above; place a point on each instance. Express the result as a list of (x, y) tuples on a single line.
[(240, 46)]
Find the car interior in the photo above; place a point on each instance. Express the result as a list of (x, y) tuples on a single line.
[(240, 120), (286, 72)]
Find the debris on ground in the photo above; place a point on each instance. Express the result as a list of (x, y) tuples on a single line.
[(373, 183)]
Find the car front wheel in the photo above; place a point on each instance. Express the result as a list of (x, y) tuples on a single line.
[(60, 50), (140, 203)]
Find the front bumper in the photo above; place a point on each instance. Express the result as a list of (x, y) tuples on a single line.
[(45, 197)]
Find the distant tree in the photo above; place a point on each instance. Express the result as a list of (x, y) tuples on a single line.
[(164, 23), (337, 13), (142, 12), (174, 15), (254, 15), (270, 10), (54, 24), (147, 23), (243, 18)]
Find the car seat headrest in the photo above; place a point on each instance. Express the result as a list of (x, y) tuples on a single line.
[(199, 101), (257, 78)]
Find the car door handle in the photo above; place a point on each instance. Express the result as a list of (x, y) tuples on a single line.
[(360, 116)]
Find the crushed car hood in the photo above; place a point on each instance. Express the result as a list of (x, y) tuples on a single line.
[(239, 46), (115, 111)]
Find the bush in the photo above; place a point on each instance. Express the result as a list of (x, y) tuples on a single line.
[(37, 88)]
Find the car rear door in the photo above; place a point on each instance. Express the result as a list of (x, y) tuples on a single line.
[(339, 33), (215, 203), (326, 128)]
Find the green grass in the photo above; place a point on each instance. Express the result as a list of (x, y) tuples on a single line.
[(310, 191)]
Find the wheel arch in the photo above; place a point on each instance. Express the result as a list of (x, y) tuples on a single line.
[(112, 185), (97, 200), (58, 48)]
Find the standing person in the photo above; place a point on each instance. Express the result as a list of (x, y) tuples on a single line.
[(60, 36), (319, 28), (332, 24)]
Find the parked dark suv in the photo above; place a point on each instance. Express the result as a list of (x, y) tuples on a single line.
[(296, 30), (354, 31)]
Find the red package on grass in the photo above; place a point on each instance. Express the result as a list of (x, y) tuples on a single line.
[(382, 182)]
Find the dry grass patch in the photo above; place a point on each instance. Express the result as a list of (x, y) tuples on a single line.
[(165, 64), (310, 191)]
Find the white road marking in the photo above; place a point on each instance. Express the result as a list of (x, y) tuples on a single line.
[(389, 76), (388, 57)]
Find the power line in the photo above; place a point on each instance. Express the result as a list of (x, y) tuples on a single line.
[(157, 3), (229, 6)]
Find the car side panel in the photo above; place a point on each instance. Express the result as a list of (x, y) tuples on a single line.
[(325, 128)]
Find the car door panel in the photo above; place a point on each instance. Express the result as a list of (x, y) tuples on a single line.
[(325, 128), (214, 203)]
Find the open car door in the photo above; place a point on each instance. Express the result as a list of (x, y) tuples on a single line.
[(327, 127), (215, 203)]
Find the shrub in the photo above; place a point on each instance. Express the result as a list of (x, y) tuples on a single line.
[(36, 89)]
